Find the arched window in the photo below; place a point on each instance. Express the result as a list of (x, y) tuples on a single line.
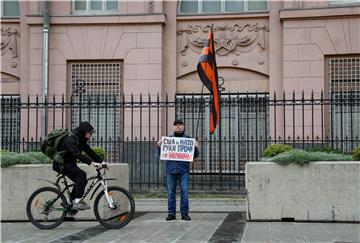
[(191, 7)]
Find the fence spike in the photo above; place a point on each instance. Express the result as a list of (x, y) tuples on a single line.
[(302, 96)]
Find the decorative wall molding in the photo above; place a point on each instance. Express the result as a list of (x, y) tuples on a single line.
[(228, 39), (9, 41)]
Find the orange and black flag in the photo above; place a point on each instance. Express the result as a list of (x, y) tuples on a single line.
[(208, 74)]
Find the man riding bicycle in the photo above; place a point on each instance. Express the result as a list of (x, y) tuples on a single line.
[(71, 149)]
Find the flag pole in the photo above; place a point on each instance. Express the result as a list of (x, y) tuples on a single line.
[(198, 119)]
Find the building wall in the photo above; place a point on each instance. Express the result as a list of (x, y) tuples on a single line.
[(134, 39), (306, 44), (308, 38), (10, 57), (242, 52), (310, 32)]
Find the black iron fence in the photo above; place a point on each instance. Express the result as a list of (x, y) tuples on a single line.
[(129, 127)]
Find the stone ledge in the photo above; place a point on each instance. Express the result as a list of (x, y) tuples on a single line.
[(99, 20), (335, 12)]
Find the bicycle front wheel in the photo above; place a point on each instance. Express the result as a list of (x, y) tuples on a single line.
[(121, 214), (45, 208)]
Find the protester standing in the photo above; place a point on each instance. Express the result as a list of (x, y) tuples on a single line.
[(178, 171)]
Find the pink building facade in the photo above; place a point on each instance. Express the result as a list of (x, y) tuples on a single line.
[(152, 47)]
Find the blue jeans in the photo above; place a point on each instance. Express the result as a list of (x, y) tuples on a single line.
[(172, 180)]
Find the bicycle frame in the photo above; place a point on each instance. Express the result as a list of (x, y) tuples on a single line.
[(95, 179)]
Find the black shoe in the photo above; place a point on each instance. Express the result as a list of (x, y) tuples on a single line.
[(170, 217), (185, 217), (72, 213)]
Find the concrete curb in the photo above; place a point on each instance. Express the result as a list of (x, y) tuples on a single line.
[(196, 205)]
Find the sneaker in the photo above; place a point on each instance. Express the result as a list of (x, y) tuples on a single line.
[(170, 217), (81, 205), (72, 212), (185, 217)]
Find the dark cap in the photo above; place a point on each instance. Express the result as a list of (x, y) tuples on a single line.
[(178, 121), (85, 127)]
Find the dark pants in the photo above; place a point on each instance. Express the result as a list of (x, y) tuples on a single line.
[(78, 176), (183, 179)]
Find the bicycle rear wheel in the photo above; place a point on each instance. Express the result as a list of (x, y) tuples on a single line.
[(44, 208), (121, 215)]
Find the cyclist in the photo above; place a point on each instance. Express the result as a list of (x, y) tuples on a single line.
[(73, 145)]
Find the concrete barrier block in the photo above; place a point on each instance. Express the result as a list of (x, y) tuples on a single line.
[(20, 181), (325, 191)]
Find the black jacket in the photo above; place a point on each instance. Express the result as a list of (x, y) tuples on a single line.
[(74, 144)]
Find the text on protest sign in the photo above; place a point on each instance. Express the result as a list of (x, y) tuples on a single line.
[(177, 149)]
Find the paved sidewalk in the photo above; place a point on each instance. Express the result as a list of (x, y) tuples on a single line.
[(288, 232), (205, 227), (149, 227)]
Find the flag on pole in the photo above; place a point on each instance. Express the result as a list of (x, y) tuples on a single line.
[(208, 74)]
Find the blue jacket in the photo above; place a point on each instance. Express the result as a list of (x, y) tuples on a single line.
[(180, 167)]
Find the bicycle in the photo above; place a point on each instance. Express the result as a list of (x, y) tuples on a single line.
[(114, 207)]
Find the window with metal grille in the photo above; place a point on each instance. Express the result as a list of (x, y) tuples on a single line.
[(96, 88), (344, 83), (10, 123), (243, 130)]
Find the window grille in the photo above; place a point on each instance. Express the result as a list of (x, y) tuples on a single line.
[(10, 123), (344, 83), (101, 85), (243, 124)]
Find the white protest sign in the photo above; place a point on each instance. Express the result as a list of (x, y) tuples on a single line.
[(177, 149)]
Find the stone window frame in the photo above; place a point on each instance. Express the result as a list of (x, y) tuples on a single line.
[(223, 10), (88, 10)]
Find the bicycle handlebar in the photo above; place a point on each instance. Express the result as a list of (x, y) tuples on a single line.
[(104, 166)]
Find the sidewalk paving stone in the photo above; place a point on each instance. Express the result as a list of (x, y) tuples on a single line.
[(204, 227)]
